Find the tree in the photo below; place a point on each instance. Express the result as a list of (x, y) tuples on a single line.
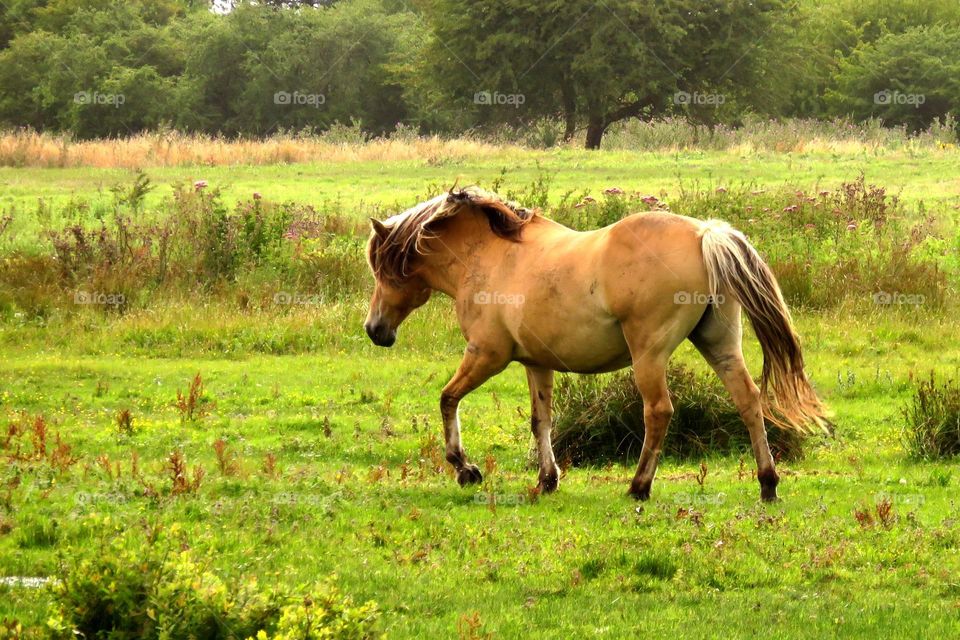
[(910, 78), (259, 69), (17, 17), (597, 62), (108, 69), (830, 32)]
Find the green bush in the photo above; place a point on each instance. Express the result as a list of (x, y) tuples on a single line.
[(324, 615), (153, 588), (932, 418), (910, 78), (600, 418)]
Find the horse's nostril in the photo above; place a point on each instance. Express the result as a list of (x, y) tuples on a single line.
[(380, 334)]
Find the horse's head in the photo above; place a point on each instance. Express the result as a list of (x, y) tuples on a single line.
[(396, 294), (397, 249)]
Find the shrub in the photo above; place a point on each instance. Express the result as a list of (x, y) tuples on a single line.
[(600, 418), (932, 418), (136, 588), (322, 615)]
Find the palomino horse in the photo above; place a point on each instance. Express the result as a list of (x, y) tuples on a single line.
[(530, 290)]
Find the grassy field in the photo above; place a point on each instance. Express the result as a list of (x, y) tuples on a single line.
[(927, 175), (332, 464)]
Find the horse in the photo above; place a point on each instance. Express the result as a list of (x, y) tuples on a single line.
[(530, 290)]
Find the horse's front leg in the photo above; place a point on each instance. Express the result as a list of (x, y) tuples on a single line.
[(477, 366), (541, 423)]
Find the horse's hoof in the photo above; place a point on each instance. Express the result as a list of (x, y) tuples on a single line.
[(548, 484), (638, 492), (469, 474), (769, 494), (768, 485)]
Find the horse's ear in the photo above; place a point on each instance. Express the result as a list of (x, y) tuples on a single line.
[(379, 228)]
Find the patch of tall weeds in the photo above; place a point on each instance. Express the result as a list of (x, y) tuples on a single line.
[(932, 419), (600, 418), (194, 246)]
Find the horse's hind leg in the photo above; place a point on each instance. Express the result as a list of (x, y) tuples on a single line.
[(650, 374), (541, 396), (718, 338)]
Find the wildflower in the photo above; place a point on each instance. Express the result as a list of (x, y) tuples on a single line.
[(256, 195), (613, 191), (199, 185), (721, 189)]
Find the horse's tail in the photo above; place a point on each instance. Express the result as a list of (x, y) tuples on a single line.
[(734, 267)]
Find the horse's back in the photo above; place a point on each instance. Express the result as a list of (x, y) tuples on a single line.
[(652, 264)]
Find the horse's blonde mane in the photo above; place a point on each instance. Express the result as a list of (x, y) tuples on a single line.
[(390, 254)]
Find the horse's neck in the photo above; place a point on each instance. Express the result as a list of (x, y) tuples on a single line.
[(466, 244)]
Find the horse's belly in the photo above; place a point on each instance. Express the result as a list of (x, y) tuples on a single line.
[(580, 347)]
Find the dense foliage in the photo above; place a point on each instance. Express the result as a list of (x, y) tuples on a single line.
[(100, 68)]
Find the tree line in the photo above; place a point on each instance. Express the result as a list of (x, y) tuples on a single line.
[(99, 68)]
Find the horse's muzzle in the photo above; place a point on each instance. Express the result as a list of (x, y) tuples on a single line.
[(380, 334)]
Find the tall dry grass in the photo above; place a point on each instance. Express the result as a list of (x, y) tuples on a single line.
[(24, 148), (349, 143), (780, 136)]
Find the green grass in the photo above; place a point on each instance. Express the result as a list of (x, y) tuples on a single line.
[(587, 561), (923, 175)]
